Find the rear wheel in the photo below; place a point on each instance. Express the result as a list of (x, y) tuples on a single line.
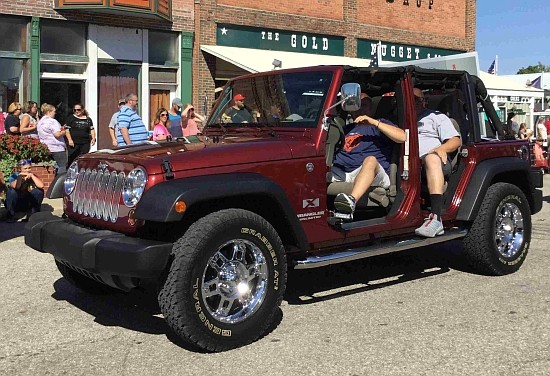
[(226, 280), (499, 238)]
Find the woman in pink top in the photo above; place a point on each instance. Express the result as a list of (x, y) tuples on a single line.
[(189, 120), (160, 132), (52, 134)]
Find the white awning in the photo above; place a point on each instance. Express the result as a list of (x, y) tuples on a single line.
[(254, 60), (498, 83)]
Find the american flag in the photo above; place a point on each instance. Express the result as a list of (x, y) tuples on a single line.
[(374, 57), (492, 69)]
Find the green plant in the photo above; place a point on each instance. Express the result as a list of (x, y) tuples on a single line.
[(16, 148), (7, 165)]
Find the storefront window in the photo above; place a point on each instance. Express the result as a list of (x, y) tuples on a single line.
[(13, 81), (14, 34), (163, 48), (62, 68), (62, 37)]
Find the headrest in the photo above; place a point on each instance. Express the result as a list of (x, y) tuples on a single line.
[(385, 108)]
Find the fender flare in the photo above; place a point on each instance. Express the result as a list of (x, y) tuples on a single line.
[(157, 203), (57, 186), (481, 180)]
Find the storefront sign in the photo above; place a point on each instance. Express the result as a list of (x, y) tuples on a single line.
[(419, 3), (399, 52), (278, 40)]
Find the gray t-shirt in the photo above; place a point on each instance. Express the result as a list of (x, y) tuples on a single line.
[(434, 128), (112, 123)]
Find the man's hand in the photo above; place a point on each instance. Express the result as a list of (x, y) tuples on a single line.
[(364, 120), (114, 142), (441, 153)]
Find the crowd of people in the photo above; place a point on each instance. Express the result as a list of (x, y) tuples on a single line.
[(24, 190)]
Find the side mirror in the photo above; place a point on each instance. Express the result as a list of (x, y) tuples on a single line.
[(351, 96)]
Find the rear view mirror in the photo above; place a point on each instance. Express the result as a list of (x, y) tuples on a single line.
[(351, 96)]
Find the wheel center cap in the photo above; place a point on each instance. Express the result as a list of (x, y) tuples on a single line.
[(232, 276), (507, 225)]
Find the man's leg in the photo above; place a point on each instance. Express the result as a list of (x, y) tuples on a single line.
[(36, 197), (433, 225), (346, 203), (11, 204)]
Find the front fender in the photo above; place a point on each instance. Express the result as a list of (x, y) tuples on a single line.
[(158, 203), (57, 186)]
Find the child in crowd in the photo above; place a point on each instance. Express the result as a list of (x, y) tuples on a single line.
[(25, 191)]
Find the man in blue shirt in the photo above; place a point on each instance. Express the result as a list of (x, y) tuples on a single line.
[(365, 157), (174, 116), (130, 127)]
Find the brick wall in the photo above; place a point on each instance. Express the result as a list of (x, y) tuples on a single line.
[(182, 15), (448, 25), (45, 173)]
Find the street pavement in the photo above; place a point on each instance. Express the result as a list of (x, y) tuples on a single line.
[(421, 312)]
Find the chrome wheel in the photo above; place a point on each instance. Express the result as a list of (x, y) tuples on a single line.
[(234, 282), (509, 230)]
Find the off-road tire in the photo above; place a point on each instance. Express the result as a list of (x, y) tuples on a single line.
[(186, 298), (502, 206), (82, 282)]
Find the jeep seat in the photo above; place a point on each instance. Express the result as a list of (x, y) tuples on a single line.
[(383, 107)]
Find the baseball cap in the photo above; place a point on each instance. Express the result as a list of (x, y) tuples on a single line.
[(121, 101), (238, 97), (177, 101)]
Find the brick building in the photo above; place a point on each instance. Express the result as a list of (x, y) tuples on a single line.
[(95, 51)]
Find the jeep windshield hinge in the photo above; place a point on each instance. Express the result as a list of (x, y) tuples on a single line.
[(167, 169)]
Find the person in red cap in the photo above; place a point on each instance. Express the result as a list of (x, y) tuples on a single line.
[(238, 113)]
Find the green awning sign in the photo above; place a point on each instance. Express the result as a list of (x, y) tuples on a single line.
[(399, 52), (278, 40)]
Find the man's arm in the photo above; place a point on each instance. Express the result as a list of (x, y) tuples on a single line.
[(394, 133), (125, 135)]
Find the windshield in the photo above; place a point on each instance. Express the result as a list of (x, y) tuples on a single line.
[(289, 100)]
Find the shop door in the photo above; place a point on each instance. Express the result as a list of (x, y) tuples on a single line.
[(63, 95), (115, 81), (158, 98)]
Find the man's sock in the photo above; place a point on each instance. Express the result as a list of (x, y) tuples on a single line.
[(437, 205)]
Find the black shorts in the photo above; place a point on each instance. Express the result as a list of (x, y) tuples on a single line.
[(447, 168)]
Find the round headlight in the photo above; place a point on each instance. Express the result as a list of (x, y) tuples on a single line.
[(70, 178), (134, 186)]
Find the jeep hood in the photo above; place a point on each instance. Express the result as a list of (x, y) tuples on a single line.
[(231, 150)]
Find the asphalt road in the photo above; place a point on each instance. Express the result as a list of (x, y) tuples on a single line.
[(421, 312)]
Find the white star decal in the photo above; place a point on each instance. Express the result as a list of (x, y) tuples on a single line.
[(224, 31)]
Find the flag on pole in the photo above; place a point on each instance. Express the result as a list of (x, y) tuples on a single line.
[(375, 56), (492, 69), (536, 83)]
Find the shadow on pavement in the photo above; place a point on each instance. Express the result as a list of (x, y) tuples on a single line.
[(14, 230), (316, 285), (136, 310)]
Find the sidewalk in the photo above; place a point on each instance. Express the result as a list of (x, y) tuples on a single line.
[(52, 205)]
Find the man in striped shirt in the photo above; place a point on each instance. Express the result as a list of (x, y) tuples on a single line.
[(130, 127)]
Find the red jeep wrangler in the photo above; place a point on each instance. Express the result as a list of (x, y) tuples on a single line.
[(218, 220)]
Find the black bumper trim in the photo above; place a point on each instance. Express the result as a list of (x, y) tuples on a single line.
[(97, 251)]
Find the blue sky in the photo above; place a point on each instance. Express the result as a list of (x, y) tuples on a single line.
[(517, 31)]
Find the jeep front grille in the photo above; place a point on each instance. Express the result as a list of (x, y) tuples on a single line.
[(97, 194)]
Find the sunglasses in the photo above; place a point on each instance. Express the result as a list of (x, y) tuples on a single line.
[(77, 109), (25, 162), (163, 114)]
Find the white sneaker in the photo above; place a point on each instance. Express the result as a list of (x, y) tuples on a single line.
[(431, 227)]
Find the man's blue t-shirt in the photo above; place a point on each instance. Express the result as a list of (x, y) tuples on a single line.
[(128, 118), (361, 142), (175, 124)]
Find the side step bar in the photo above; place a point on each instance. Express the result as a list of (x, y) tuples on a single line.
[(317, 261)]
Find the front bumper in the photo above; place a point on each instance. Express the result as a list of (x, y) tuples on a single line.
[(118, 260)]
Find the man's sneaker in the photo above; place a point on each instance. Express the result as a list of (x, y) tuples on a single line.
[(431, 227), (344, 203)]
